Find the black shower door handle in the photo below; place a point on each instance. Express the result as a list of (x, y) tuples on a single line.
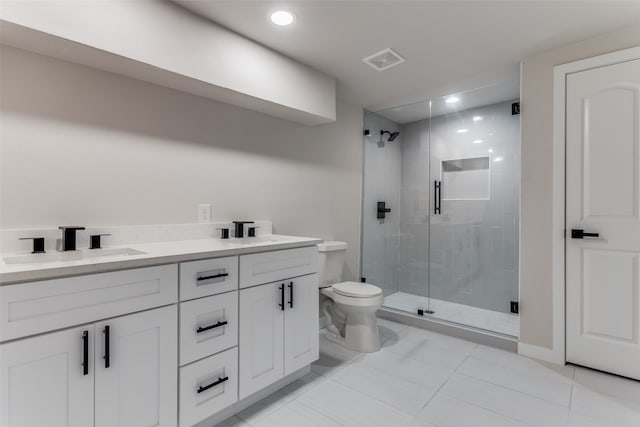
[(437, 197)]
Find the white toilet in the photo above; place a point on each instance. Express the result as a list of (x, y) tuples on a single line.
[(351, 307)]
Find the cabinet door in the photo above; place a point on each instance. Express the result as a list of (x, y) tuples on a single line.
[(43, 380), (138, 386), (301, 335), (261, 335)]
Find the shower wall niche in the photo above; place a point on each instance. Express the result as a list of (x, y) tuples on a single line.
[(450, 243)]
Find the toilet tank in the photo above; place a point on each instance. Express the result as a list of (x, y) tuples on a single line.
[(331, 257)]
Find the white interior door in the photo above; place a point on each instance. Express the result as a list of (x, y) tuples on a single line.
[(603, 197), (261, 336), (43, 381), (138, 386), (301, 328)]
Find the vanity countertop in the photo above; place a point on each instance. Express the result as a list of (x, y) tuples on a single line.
[(64, 264)]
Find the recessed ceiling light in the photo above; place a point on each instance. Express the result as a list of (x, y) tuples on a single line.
[(477, 118), (490, 150), (477, 141), (452, 100), (463, 130), (282, 17)]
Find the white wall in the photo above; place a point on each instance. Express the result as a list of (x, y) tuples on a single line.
[(83, 146), (536, 315), (161, 42)]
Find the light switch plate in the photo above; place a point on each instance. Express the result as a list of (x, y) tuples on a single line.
[(204, 213)]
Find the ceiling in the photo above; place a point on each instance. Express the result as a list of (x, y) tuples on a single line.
[(450, 46)]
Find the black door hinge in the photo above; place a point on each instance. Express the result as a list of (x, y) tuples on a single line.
[(515, 307)]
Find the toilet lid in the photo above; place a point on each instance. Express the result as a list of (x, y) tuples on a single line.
[(356, 289)]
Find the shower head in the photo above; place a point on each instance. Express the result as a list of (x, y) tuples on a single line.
[(392, 135)]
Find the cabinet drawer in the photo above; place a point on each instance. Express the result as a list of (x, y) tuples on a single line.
[(208, 277), (277, 265), (208, 386), (31, 308), (207, 326)]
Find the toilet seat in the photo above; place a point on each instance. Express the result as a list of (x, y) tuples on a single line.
[(352, 301), (356, 290)]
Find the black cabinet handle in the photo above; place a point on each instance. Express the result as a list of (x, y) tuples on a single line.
[(577, 233), (215, 276), (281, 288), (213, 384), (206, 328), (85, 352), (290, 294), (107, 352)]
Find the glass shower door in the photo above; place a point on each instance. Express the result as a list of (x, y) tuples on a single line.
[(473, 249)]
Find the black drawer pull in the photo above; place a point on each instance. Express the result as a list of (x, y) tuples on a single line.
[(281, 288), (215, 276), (206, 328), (213, 384), (85, 352)]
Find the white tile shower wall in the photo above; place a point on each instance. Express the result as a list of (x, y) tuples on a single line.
[(474, 243), (381, 237)]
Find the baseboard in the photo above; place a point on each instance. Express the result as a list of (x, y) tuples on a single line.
[(541, 353), (218, 417)]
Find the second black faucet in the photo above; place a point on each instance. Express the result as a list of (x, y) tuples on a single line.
[(68, 242), (239, 228)]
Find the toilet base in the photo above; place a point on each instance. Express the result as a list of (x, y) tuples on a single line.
[(360, 335), (352, 327)]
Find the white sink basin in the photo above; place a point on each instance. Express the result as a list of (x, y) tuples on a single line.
[(71, 256)]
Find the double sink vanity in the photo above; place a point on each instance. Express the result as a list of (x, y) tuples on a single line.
[(160, 333)]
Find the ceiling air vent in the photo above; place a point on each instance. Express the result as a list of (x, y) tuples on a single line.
[(384, 60)]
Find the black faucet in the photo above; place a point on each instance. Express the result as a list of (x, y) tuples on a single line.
[(239, 228), (69, 237)]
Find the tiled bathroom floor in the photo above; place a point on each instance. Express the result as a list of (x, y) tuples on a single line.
[(495, 321), (421, 378)]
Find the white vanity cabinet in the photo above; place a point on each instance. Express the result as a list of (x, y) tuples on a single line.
[(115, 364), (168, 345), (278, 320), (208, 373), (138, 385), (42, 381), (65, 378)]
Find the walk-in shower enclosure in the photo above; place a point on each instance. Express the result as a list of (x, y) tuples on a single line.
[(446, 243)]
